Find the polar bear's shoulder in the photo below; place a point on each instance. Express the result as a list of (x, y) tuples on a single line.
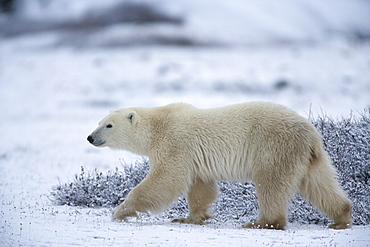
[(177, 106)]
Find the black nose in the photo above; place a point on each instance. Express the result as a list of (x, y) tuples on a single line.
[(90, 139)]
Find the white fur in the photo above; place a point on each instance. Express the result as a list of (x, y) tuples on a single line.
[(190, 149)]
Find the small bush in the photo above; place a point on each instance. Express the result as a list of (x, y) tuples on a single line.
[(347, 141), (94, 189)]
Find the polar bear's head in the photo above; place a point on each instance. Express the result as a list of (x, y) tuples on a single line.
[(118, 130)]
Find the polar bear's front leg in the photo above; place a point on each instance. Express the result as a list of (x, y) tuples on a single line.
[(122, 212), (200, 197), (134, 202), (154, 194)]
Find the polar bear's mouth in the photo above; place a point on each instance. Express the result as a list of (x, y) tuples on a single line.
[(95, 142), (98, 143)]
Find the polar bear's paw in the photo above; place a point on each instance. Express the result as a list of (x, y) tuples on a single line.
[(197, 221), (260, 225), (121, 213), (339, 226)]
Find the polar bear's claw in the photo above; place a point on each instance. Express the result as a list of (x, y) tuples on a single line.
[(188, 221)]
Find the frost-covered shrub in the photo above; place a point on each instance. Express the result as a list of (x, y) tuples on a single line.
[(94, 188), (347, 141)]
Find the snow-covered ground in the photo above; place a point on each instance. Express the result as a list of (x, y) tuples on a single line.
[(53, 93)]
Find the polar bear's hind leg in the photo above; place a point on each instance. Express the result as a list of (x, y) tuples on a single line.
[(273, 200), (321, 188)]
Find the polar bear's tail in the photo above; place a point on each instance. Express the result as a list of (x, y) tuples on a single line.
[(321, 187)]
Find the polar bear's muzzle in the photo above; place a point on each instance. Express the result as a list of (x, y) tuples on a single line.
[(95, 142)]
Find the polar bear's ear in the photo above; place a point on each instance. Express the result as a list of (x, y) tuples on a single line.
[(132, 117)]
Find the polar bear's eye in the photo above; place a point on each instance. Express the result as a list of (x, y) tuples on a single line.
[(109, 126)]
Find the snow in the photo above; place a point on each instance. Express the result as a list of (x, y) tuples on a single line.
[(303, 54)]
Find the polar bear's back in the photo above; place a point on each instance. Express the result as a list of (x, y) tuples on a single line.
[(225, 143), (259, 118)]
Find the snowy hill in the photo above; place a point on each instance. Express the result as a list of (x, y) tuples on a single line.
[(207, 22)]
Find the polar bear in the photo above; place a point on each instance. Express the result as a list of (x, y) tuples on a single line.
[(190, 149)]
